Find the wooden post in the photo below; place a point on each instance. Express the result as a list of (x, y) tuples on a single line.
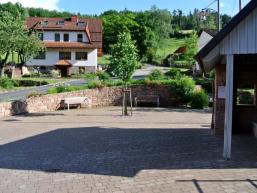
[(229, 106)]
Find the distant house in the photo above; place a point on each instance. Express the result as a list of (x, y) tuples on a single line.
[(205, 36), (72, 45), (232, 53)]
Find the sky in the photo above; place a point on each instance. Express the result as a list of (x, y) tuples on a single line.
[(92, 7)]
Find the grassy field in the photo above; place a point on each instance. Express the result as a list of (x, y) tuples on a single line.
[(166, 47)]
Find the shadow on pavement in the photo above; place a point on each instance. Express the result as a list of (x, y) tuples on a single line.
[(125, 152)]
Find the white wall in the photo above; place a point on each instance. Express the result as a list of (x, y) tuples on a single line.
[(49, 36), (52, 57), (243, 38)]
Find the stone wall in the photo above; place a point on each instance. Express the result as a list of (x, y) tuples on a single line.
[(99, 97)]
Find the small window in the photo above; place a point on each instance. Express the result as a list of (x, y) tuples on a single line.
[(80, 37), (57, 37), (81, 23), (66, 37), (60, 23), (44, 23), (64, 55), (81, 55), (246, 95), (41, 36), (40, 56)]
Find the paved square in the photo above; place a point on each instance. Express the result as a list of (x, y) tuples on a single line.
[(97, 150)]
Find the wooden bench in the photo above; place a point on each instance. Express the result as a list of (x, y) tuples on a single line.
[(147, 99), (75, 101)]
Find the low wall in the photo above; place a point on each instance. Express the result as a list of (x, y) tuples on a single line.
[(100, 97)]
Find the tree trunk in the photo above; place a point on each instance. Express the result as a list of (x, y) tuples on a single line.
[(3, 63), (2, 71), (125, 102)]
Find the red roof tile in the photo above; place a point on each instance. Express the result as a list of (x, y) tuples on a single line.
[(72, 45), (92, 27)]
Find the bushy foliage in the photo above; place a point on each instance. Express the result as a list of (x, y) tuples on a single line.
[(199, 99), (103, 76), (124, 58), (55, 73), (7, 83), (183, 88), (245, 97), (28, 83), (173, 73), (156, 74), (192, 48)]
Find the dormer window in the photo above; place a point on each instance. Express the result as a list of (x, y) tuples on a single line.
[(81, 23), (80, 37), (44, 23), (60, 23)]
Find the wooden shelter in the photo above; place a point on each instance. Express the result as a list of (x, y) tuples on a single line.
[(232, 53)]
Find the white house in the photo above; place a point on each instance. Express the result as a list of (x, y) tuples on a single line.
[(72, 44), (205, 36)]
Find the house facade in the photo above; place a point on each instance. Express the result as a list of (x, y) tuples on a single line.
[(232, 53), (72, 45)]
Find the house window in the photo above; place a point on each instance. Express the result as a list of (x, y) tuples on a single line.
[(44, 23), (40, 56), (81, 23), (81, 55), (80, 37), (64, 55), (66, 37), (246, 95), (41, 36), (60, 23), (57, 37)]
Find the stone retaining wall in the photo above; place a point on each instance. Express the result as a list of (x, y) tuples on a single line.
[(100, 97)]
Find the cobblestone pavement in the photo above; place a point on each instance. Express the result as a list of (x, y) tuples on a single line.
[(97, 150)]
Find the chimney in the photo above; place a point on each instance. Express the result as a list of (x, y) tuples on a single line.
[(74, 18)]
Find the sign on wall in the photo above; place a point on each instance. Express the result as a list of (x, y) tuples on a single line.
[(221, 92)]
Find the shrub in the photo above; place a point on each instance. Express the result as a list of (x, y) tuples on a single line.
[(90, 76), (95, 84), (205, 83), (173, 73), (103, 76), (199, 99), (156, 75), (183, 88), (52, 90), (55, 73), (26, 83), (7, 83), (245, 97)]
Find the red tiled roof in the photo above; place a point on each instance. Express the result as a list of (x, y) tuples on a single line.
[(72, 45), (92, 27)]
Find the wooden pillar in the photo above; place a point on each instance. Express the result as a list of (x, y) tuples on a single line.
[(228, 106)]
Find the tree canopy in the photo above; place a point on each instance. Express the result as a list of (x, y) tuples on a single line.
[(124, 59)]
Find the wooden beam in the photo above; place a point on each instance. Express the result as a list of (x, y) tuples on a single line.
[(229, 106)]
